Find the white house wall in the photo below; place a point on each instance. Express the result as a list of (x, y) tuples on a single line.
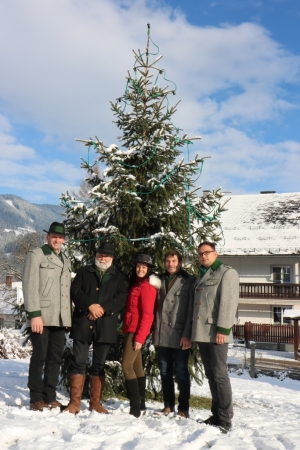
[(258, 269), (254, 313)]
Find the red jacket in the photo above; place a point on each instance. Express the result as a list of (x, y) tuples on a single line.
[(139, 313)]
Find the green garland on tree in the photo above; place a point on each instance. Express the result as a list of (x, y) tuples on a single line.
[(146, 200)]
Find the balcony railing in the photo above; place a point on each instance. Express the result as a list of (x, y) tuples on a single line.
[(269, 290)]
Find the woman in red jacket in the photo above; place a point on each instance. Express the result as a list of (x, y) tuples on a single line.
[(137, 322)]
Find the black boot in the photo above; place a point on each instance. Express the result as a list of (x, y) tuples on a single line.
[(134, 397), (142, 390)]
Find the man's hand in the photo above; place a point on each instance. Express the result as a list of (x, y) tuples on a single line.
[(137, 346), (37, 325), (185, 343), (220, 338), (96, 311)]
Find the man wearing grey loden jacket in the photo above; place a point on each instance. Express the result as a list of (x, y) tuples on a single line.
[(172, 332), (46, 289), (215, 306)]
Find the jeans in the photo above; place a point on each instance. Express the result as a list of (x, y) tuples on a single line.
[(170, 358), (214, 359), (80, 355), (45, 362)]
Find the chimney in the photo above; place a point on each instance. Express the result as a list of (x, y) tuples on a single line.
[(206, 193), (8, 281)]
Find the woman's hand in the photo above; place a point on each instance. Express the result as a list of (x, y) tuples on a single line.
[(137, 346)]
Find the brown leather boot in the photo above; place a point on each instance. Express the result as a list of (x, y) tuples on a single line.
[(97, 384), (76, 388)]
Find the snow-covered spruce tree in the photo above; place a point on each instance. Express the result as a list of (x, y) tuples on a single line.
[(146, 200)]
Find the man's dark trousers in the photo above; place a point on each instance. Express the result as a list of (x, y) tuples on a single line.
[(214, 359), (168, 358), (80, 355), (47, 356)]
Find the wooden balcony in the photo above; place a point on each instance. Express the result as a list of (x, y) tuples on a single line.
[(270, 290)]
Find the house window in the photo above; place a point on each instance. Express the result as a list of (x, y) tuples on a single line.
[(278, 315), (281, 274)]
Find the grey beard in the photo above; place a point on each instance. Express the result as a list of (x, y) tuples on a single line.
[(102, 265)]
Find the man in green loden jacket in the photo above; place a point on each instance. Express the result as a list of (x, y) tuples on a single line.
[(215, 305), (46, 289)]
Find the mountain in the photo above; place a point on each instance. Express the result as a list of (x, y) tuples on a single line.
[(17, 216)]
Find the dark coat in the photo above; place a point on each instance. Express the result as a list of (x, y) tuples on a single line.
[(87, 290)]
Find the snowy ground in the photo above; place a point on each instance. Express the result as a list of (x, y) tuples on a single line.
[(267, 417)]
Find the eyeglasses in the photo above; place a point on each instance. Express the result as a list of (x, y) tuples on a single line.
[(206, 253), (99, 256)]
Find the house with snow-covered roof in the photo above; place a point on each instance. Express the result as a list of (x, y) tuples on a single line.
[(262, 242), (11, 294)]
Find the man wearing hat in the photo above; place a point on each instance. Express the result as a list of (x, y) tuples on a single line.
[(99, 294), (46, 288)]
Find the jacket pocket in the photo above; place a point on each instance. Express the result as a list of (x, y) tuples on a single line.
[(46, 265), (47, 287), (128, 319), (212, 282), (45, 303), (211, 320)]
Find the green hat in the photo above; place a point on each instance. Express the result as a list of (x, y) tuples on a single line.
[(56, 228)]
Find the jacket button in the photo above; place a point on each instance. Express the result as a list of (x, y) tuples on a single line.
[(170, 324), (91, 327), (97, 289)]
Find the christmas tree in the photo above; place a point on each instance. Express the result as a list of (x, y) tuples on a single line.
[(146, 200)]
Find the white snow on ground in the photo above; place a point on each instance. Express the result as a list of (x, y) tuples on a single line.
[(267, 417)]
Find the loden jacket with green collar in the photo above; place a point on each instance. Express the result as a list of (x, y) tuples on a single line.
[(46, 287), (215, 304)]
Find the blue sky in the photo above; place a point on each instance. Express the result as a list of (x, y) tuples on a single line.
[(236, 65)]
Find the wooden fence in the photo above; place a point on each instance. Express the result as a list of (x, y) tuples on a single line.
[(281, 334)]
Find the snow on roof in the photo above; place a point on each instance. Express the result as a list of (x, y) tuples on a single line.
[(261, 224)]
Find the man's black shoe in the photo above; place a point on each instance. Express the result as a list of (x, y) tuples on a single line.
[(224, 427), (212, 420)]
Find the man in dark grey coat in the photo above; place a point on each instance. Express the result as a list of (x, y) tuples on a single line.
[(172, 332), (215, 306), (46, 289), (99, 293)]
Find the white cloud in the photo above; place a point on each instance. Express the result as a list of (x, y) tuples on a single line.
[(9, 148), (63, 61)]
